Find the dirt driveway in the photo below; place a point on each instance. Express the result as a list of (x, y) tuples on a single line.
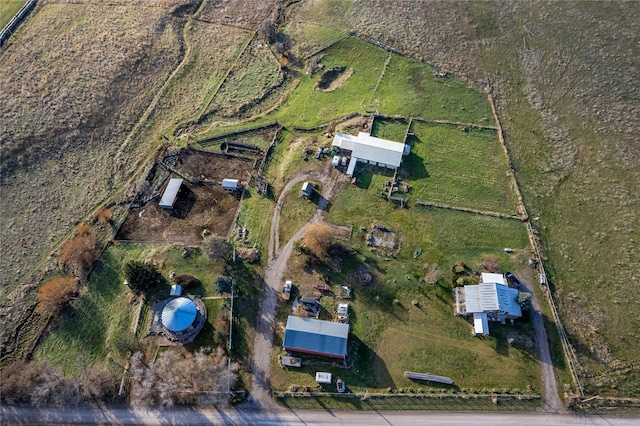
[(278, 258)]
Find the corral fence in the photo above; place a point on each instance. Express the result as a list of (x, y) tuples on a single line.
[(409, 401), (236, 132), (8, 29), (325, 125)]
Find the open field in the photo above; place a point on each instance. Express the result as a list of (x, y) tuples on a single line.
[(459, 168)]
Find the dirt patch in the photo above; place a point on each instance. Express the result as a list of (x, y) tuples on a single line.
[(198, 207), (331, 79), (383, 239)]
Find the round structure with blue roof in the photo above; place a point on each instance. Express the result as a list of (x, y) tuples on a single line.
[(179, 314)]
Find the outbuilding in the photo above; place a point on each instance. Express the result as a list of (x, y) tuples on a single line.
[(316, 337), (230, 185), (368, 149), (170, 194), (307, 190)]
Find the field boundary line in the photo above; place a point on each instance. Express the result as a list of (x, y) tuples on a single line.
[(13, 24), (384, 68), (468, 210)]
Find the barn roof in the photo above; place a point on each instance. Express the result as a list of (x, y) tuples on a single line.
[(316, 337), (368, 148), (344, 141), (170, 193)]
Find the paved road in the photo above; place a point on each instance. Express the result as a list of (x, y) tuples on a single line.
[(260, 396), (184, 416)]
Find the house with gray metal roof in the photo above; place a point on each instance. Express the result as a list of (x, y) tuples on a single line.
[(492, 299), (316, 337)]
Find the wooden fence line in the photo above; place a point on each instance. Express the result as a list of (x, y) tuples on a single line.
[(8, 29)]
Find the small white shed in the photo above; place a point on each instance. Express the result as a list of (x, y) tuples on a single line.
[(323, 378), (230, 184), (307, 190)]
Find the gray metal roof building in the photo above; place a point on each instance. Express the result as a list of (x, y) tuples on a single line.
[(170, 194), (316, 337)]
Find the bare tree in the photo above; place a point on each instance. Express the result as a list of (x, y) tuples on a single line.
[(79, 253), (268, 30), (317, 239), (177, 378), (53, 294)]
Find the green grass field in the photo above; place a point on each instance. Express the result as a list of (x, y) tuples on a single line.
[(296, 211), (8, 8), (459, 168), (409, 88), (392, 337), (102, 310)]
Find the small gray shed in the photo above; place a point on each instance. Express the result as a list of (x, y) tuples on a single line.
[(170, 194)]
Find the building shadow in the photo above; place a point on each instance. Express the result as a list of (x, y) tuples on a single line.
[(184, 203)]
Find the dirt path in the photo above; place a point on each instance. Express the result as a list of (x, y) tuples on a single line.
[(260, 392), (552, 401)]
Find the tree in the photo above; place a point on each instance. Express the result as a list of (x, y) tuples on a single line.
[(104, 215), (223, 284), (53, 294), (317, 239), (217, 249), (171, 380), (79, 253), (142, 276), (268, 30), (524, 300)]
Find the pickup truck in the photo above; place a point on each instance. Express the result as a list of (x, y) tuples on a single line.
[(286, 291), (321, 287)]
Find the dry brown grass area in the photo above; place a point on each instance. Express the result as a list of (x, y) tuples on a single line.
[(71, 90), (244, 14)]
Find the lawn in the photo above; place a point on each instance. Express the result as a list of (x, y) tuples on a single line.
[(296, 211), (103, 309), (308, 106), (8, 8), (409, 88), (389, 334), (392, 130), (458, 168)]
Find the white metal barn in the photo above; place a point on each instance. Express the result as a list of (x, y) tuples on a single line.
[(371, 150)]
